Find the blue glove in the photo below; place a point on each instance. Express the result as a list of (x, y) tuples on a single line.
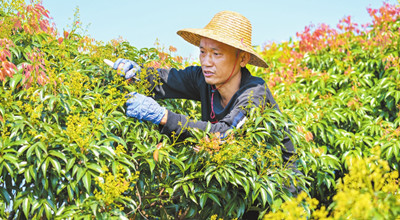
[(144, 108), (130, 68)]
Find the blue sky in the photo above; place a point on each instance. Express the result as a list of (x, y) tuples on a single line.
[(143, 22)]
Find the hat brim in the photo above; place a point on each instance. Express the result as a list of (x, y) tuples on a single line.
[(194, 36)]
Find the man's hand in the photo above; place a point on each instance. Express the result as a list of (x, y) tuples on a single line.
[(144, 108), (127, 68)]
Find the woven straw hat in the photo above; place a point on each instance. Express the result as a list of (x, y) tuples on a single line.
[(227, 27)]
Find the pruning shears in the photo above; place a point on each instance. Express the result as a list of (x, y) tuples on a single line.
[(109, 62)]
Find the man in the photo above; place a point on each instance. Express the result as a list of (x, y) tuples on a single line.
[(222, 83)]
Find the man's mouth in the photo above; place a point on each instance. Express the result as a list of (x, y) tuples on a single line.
[(208, 73)]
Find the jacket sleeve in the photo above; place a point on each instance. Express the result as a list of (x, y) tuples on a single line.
[(178, 124), (175, 83)]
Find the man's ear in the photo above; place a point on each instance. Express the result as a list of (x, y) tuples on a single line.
[(244, 58)]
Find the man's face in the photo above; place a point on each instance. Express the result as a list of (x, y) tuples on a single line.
[(217, 61)]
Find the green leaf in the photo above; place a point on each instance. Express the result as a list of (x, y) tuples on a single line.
[(87, 181), (70, 193), (117, 139), (242, 207), (264, 196), (214, 198), (231, 207), (258, 120), (208, 178), (56, 165), (70, 163), (152, 164), (15, 80), (219, 178), (95, 167), (246, 186), (193, 198), (60, 188), (26, 205), (192, 211), (5, 195), (176, 187), (58, 154), (203, 200), (47, 210), (33, 172), (27, 175), (179, 164), (45, 165), (11, 158), (22, 149), (31, 149), (80, 173), (16, 52), (106, 150), (61, 210), (185, 189), (276, 204)]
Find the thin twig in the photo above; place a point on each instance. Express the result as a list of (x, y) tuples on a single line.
[(140, 203)]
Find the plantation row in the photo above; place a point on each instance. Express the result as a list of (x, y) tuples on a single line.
[(67, 149)]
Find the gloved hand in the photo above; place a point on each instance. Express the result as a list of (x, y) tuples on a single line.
[(144, 108), (130, 69)]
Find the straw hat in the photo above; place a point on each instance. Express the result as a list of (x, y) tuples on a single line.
[(227, 27)]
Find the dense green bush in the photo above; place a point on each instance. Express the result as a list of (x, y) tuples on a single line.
[(340, 86), (67, 150)]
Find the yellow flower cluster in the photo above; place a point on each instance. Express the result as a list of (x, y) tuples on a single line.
[(112, 99), (215, 217), (80, 129), (36, 113), (8, 99), (370, 190), (120, 150), (230, 148), (212, 145), (267, 159), (5, 132), (294, 209), (55, 79), (365, 192), (32, 107), (221, 151), (113, 186), (14, 5), (78, 83)]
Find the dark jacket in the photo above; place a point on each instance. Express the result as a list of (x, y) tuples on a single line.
[(189, 83)]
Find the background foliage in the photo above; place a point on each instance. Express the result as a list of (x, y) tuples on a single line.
[(67, 150)]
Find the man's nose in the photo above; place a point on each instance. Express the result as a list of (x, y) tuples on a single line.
[(207, 60)]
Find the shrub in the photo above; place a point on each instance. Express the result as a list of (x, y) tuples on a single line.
[(339, 86), (67, 150)]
